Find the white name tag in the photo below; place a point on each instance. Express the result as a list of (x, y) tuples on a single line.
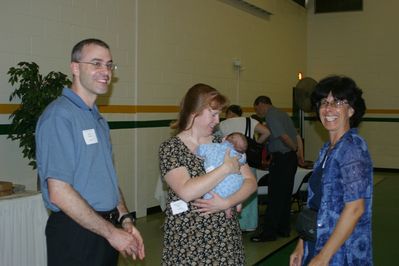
[(90, 136), (178, 206)]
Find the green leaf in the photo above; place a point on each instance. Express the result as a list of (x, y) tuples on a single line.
[(35, 92)]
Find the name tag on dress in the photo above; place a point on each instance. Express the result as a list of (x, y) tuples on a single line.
[(178, 206), (90, 136)]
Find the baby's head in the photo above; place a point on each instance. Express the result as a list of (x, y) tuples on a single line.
[(238, 140)]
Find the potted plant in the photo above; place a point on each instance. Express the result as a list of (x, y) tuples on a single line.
[(35, 92)]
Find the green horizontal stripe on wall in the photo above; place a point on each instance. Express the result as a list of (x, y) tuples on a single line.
[(139, 124), (5, 129)]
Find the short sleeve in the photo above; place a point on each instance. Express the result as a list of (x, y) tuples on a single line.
[(169, 154), (56, 144), (274, 121), (355, 172)]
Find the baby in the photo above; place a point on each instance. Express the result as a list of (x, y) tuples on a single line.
[(213, 155)]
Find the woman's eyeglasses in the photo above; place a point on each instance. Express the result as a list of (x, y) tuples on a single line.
[(334, 104)]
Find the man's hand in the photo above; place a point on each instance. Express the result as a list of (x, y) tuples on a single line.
[(126, 243), (129, 227)]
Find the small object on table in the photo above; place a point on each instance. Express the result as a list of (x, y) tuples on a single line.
[(5, 188), (17, 188)]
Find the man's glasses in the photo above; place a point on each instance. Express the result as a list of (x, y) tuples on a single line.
[(98, 65), (334, 104)]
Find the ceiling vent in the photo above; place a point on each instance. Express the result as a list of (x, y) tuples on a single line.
[(260, 8)]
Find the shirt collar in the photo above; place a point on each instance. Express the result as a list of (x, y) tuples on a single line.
[(75, 99)]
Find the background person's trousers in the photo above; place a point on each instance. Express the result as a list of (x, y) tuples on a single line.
[(282, 177)]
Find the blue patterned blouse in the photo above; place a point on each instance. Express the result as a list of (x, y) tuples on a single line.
[(347, 176)]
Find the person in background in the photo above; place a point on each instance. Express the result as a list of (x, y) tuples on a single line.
[(77, 176), (234, 122), (200, 231), (283, 145), (341, 187), (213, 156)]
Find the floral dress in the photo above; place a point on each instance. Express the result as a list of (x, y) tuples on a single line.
[(191, 239)]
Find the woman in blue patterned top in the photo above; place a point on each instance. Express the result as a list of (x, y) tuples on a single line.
[(341, 186)]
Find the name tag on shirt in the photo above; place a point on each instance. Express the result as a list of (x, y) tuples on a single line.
[(178, 206), (90, 136)]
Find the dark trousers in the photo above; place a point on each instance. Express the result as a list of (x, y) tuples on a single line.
[(282, 176), (70, 244)]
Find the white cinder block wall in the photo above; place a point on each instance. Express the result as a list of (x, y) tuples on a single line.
[(363, 45), (181, 43), (44, 31), (164, 47)]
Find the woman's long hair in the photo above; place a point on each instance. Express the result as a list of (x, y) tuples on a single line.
[(197, 98)]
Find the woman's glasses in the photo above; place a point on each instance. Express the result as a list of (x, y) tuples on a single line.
[(334, 104)]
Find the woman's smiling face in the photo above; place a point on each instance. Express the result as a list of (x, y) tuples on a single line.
[(335, 114)]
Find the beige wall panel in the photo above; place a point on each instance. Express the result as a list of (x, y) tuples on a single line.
[(181, 43), (45, 32), (362, 45), (381, 138), (185, 42), (148, 162)]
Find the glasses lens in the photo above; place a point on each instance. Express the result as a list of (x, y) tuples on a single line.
[(334, 103), (109, 66)]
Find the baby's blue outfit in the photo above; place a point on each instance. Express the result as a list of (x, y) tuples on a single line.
[(213, 155)]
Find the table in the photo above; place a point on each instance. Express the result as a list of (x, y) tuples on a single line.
[(23, 220), (300, 174)]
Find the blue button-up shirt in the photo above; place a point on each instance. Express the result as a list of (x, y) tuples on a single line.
[(73, 145)]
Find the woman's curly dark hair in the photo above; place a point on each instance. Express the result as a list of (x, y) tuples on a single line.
[(341, 88)]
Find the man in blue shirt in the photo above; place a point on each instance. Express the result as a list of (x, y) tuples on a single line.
[(78, 179)]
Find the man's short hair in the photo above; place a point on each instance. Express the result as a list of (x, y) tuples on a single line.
[(77, 49), (262, 99)]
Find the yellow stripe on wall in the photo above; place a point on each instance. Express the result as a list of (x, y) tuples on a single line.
[(8, 108), (122, 109), (128, 109)]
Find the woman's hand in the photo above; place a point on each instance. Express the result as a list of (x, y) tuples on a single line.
[(229, 211), (212, 205), (297, 255), (347, 221)]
